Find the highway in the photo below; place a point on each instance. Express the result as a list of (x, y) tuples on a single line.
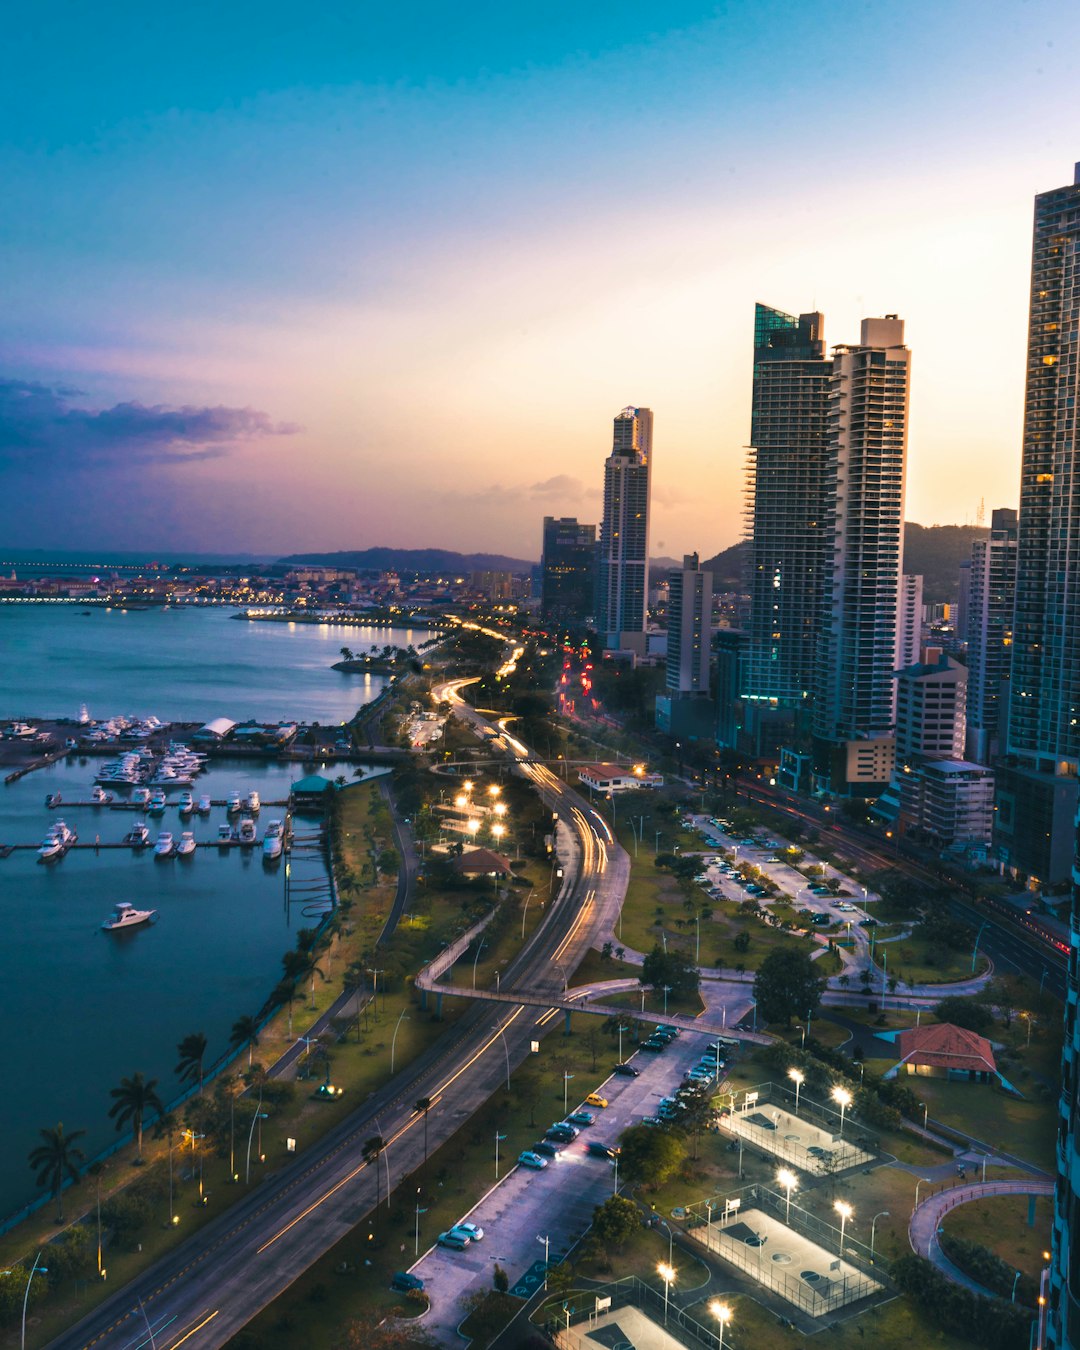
[(206, 1290)]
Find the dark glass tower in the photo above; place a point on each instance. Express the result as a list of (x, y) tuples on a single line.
[(568, 570)]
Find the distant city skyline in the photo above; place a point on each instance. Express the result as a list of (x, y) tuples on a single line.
[(380, 278)]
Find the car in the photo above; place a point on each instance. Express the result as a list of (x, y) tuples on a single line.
[(651, 1120), (654, 1044), (402, 1282), (701, 1075), (546, 1148), (627, 1071), (594, 1099), (845, 907), (580, 1118), (472, 1231), (669, 1031), (533, 1160), (868, 923), (562, 1132), (597, 1150), (455, 1241)]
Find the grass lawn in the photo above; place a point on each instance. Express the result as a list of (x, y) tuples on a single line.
[(595, 968), (1001, 1224), (919, 961), (1023, 1127)]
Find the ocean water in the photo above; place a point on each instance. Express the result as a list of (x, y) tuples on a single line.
[(88, 1008)]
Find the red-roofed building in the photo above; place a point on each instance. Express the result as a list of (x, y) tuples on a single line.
[(945, 1051), (482, 862)]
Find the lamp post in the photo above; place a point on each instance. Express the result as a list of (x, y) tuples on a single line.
[(722, 1313), (393, 1040), (975, 949), (547, 1246), (917, 1185), (797, 1077), (192, 1137), (667, 1274), (416, 1231), (789, 1181), (843, 1097), (845, 1211), (374, 989), (506, 1052), (565, 1089), (498, 1139), (525, 911), (1016, 1281), (883, 1215), (34, 1269), (697, 940), (476, 958), (667, 990), (251, 1133)]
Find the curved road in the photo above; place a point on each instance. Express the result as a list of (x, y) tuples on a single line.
[(206, 1290)]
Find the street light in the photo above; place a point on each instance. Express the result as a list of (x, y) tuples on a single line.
[(667, 1274), (667, 990), (565, 1088), (797, 1077), (845, 1211), (547, 1247), (498, 1139), (883, 1215), (843, 1096), (917, 1185), (404, 1017), (35, 1269), (722, 1313), (789, 1181), (975, 949)]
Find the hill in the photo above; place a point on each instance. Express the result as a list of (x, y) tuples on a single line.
[(421, 560), (935, 551)]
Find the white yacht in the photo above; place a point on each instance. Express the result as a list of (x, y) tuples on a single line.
[(52, 846), (252, 803), (138, 836), (100, 797), (245, 832), (66, 835), (164, 846), (186, 847), (224, 834), (127, 916), (273, 841), (141, 795), (203, 807), (53, 799), (187, 805), (156, 803), (233, 802)]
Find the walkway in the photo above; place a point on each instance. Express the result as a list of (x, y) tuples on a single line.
[(928, 1217)]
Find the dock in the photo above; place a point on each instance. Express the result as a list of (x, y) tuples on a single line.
[(63, 805)]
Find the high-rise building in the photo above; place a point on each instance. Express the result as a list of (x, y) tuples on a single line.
[(962, 616), (989, 633), (623, 553), (786, 525), (1037, 783), (931, 697), (909, 620), (689, 628), (568, 570), (867, 444)]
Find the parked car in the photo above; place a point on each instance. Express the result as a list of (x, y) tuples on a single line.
[(562, 1133), (472, 1231), (595, 1099), (533, 1160), (654, 1044), (627, 1071), (455, 1241), (402, 1282), (651, 1120), (668, 1031), (546, 1148), (597, 1150), (580, 1118)]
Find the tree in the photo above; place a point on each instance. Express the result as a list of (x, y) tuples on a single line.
[(191, 1052), (650, 1155), (500, 1279), (245, 1031), (424, 1104), (662, 968), (787, 985), (370, 1152), (133, 1100), (56, 1160), (375, 1331), (615, 1221)]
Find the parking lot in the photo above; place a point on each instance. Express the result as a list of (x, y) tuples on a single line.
[(557, 1202)]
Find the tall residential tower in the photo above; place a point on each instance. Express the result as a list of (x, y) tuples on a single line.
[(622, 581)]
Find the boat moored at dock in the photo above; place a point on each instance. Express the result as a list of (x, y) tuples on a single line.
[(138, 836), (164, 846), (186, 847), (273, 841)]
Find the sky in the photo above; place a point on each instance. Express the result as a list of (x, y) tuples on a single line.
[(281, 278)]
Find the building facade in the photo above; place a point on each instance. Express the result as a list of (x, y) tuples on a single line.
[(909, 620), (689, 630), (623, 552), (867, 413), (989, 634), (568, 571)]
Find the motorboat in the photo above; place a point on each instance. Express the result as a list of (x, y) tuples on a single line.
[(164, 846), (252, 803), (224, 834), (156, 803), (233, 802), (53, 799), (273, 841), (52, 846), (245, 832), (186, 847), (100, 797), (127, 916), (66, 835), (186, 804), (141, 796), (203, 807), (138, 836)]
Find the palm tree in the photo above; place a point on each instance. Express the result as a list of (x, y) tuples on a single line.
[(133, 1099), (371, 1150), (285, 992), (56, 1160), (423, 1104), (168, 1127), (354, 982), (192, 1051), (245, 1032)]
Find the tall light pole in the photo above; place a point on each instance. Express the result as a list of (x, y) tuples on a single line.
[(697, 940), (883, 1215), (34, 1269), (789, 1181), (498, 1139), (845, 1211), (403, 1017), (843, 1097), (251, 1133), (667, 1274), (917, 1185), (525, 912), (476, 958), (416, 1233), (506, 1052), (667, 990), (722, 1313), (374, 989), (547, 1246), (975, 949), (797, 1077), (565, 1089)]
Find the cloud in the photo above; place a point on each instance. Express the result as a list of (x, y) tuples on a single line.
[(562, 488), (37, 420)]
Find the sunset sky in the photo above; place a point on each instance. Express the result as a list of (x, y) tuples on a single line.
[(282, 277)]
